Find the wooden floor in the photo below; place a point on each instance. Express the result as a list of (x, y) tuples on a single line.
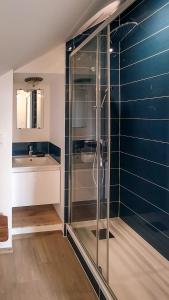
[(136, 270), (37, 215), (43, 267)]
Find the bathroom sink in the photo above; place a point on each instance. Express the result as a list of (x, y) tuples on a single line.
[(26, 161)]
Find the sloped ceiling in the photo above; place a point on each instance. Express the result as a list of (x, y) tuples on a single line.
[(29, 28)]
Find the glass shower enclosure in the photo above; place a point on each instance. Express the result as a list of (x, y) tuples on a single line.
[(89, 147)]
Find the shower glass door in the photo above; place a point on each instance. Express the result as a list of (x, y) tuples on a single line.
[(88, 144), (103, 138), (83, 146)]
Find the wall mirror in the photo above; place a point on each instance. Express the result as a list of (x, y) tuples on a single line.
[(30, 108)]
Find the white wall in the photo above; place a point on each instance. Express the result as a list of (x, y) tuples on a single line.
[(57, 111), (32, 135), (6, 96), (52, 62), (57, 125), (51, 67)]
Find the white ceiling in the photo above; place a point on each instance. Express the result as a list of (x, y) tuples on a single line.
[(29, 28)]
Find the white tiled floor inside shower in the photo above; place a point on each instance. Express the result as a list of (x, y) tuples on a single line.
[(136, 270)]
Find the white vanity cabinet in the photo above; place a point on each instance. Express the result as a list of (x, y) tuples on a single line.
[(35, 186)]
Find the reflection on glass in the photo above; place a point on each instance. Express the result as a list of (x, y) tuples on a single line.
[(83, 150), (29, 107), (88, 149)]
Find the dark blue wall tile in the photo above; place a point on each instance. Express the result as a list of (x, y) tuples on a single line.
[(22, 148), (114, 163), (147, 109), (114, 93), (114, 209), (114, 176), (158, 240), (150, 67), (114, 61), (114, 77), (146, 211), (154, 87), (114, 192), (152, 21), (55, 152), (146, 169), (79, 39), (147, 129), (69, 46), (114, 24), (147, 48), (157, 152), (114, 126), (144, 140), (66, 214), (150, 193), (115, 143), (130, 10), (114, 109)]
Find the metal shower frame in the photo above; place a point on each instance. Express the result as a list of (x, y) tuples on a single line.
[(105, 24)]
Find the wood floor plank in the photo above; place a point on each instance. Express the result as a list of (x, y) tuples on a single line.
[(43, 267), (36, 215)]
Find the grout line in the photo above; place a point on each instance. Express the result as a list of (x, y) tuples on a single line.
[(132, 10), (91, 152), (154, 162), (144, 59), (160, 98), (147, 98), (144, 220), (145, 200), (87, 170), (161, 187), (82, 138), (144, 119), (86, 118), (141, 138), (91, 187), (84, 84), (150, 17), (144, 79), (156, 11), (141, 41), (119, 125)]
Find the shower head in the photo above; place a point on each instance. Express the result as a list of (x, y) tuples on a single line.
[(123, 30)]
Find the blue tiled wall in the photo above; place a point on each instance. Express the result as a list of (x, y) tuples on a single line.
[(144, 141), (142, 66), (114, 88), (44, 147)]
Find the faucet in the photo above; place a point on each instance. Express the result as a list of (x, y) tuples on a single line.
[(30, 150)]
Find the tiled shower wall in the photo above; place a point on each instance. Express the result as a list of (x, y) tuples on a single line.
[(114, 88), (142, 69), (144, 134)]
